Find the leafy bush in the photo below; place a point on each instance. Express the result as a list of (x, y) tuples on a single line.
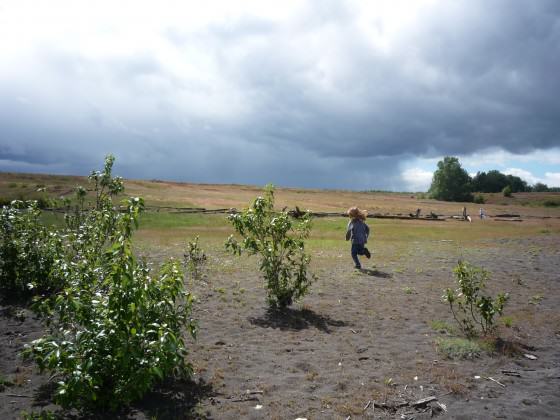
[(479, 199), (279, 241), (551, 203), (507, 191), (115, 329), (28, 252), (469, 306)]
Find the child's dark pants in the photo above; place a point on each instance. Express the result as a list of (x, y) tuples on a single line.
[(357, 249)]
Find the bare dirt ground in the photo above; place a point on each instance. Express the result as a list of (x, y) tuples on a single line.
[(360, 345)]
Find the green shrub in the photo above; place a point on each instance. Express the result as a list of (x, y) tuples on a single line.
[(551, 203), (44, 202), (115, 328), (279, 240), (194, 259), (469, 306), (28, 252), (479, 199), (507, 191)]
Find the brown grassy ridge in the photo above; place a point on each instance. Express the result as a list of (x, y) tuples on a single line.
[(214, 196)]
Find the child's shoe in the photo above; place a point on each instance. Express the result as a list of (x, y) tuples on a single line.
[(367, 253)]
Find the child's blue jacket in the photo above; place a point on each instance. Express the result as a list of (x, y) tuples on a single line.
[(357, 231)]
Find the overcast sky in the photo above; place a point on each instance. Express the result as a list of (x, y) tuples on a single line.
[(332, 94)]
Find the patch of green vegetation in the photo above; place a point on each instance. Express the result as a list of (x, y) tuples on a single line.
[(408, 290), (507, 321), (536, 299), (458, 348), (442, 326), (551, 203), (42, 415), (164, 220), (4, 383), (488, 345)]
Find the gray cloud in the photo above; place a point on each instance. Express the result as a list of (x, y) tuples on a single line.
[(307, 102)]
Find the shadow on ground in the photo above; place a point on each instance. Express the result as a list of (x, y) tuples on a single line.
[(375, 273), (295, 319), (175, 399)]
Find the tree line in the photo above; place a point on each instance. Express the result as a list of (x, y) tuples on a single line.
[(451, 182)]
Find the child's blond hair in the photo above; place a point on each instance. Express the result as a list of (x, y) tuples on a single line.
[(356, 213)]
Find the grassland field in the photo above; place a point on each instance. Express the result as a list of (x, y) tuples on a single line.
[(358, 336)]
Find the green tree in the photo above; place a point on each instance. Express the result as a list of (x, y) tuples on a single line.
[(517, 184), (451, 182), (540, 187)]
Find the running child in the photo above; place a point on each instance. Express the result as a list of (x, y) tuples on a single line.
[(357, 232)]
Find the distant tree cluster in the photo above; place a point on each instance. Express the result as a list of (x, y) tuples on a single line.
[(494, 181), (451, 182)]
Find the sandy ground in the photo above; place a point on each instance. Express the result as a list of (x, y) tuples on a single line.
[(359, 345)]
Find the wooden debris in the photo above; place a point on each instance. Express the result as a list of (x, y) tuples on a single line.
[(494, 380), (249, 392), (391, 405), (423, 401), (18, 396), (511, 373), (442, 406), (367, 405)]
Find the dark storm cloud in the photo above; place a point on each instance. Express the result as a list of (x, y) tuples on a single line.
[(304, 102)]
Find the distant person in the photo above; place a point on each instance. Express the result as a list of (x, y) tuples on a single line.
[(358, 233), (482, 213), (465, 216)]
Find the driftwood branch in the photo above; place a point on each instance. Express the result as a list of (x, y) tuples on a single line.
[(494, 380)]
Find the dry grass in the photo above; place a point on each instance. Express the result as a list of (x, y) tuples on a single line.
[(213, 196)]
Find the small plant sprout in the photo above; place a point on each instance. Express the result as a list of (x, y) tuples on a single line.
[(507, 321), (408, 290), (194, 259), (536, 299), (279, 240)]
